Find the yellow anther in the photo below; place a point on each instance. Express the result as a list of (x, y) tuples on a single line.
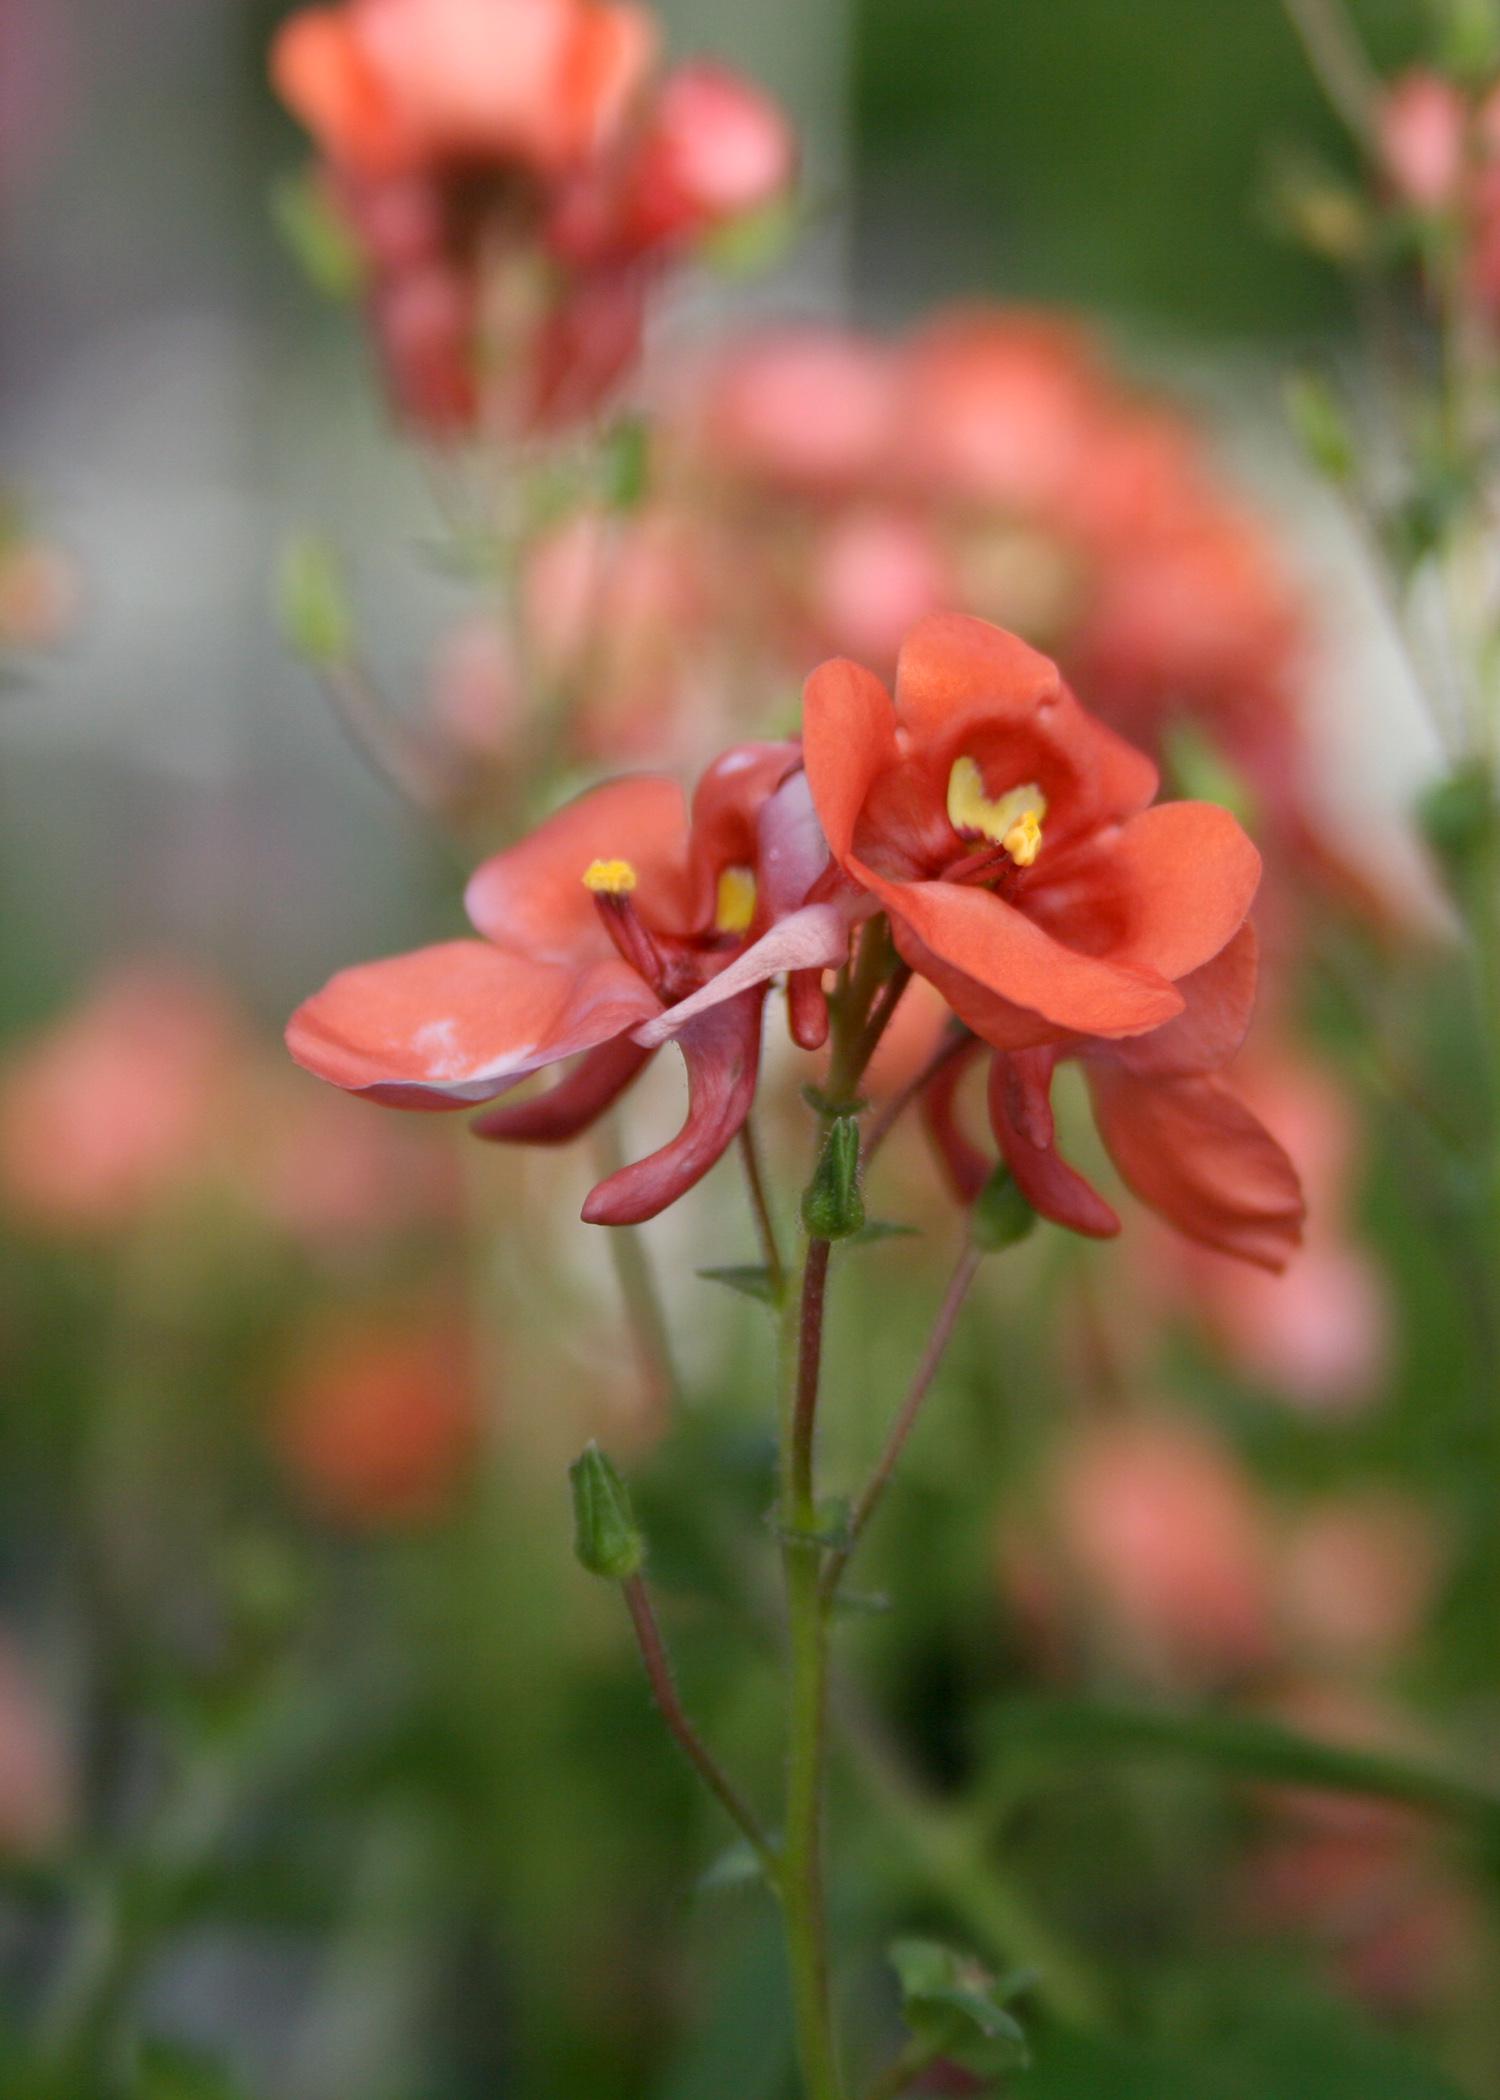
[(1023, 842), (734, 902), (1012, 820), (609, 878)]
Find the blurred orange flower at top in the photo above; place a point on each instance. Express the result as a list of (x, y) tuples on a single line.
[(378, 1420), (113, 1108), (386, 84)]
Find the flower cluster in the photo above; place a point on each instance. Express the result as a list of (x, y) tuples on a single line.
[(515, 174), (1009, 841)]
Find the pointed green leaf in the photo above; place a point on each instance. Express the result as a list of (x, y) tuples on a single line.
[(750, 1279)]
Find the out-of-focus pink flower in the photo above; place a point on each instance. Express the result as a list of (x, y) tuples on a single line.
[(1167, 1537), (36, 1767), (331, 1178), (1321, 1334), (1422, 127), (384, 84), (38, 593), (1362, 1879), (810, 409), (473, 690), (114, 1107), (377, 1420), (875, 575), (1357, 1577), (712, 148)]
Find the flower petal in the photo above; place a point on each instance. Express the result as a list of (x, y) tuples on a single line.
[(848, 738), (727, 804), (721, 1049), (1193, 1151), (452, 1025), (1021, 1117), (595, 1084), (531, 897), (791, 851), (965, 1166), (1000, 950), (815, 938), (1167, 891), (957, 674), (1220, 1001)]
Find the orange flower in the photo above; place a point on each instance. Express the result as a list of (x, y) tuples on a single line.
[(617, 926), (390, 84), (1008, 835)]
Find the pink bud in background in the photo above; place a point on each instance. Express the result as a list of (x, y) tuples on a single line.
[(36, 1767), (714, 147), (1164, 1529), (473, 691), (1421, 127)]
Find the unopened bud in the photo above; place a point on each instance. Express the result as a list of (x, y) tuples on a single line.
[(1320, 425), (832, 1207), (313, 608), (606, 1538), (1001, 1216)]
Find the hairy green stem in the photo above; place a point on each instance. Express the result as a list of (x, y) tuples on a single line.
[(669, 1705), (802, 1890)]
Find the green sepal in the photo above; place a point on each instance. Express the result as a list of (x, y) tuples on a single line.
[(832, 1205), (957, 2009), (606, 1539), (1001, 1216), (316, 236)]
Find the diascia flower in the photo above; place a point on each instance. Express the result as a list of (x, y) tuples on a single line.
[(389, 85), (622, 923), (514, 178), (1011, 840)]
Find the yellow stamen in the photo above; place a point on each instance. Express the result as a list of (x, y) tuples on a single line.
[(1023, 842), (734, 903), (1012, 821), (609, 878)]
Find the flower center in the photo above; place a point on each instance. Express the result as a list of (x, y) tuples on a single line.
[(734, 901), (1012, 821)]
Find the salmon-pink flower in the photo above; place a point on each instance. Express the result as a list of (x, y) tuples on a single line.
[(1009, 837), (389, 84), (620, 924)]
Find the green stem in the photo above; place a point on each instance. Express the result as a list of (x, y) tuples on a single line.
[(908, 2067), (802, 1890), (760, 1204), (637, 1281), (664, 1690), (906, 1419)]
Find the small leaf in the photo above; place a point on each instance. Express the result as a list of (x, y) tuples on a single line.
[(750, 1279), (737, 1868), (627, 463), (953, 2005)]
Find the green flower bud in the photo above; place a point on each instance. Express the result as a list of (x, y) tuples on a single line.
[(606, 1538), (832, 1207), (314, 612), (1001, 1216)]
